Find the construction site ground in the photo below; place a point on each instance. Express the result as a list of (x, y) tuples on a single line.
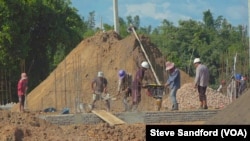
[(69, 86)]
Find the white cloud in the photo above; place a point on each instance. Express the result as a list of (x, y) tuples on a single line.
[(144, 9), (173, 12), (153, 12), (149, 10), (236, 12), (194, 7)]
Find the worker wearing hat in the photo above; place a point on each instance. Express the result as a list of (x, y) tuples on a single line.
[(124, 87), (137, 85), (201, 81), (173, 82), (99, 87)]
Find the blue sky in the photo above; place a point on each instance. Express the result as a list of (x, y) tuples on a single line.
[(152, 12)]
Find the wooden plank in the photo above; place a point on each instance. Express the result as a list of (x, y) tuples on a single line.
[(108, 117)]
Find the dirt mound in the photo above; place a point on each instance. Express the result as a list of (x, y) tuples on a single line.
[(16, 126), (69, 83)]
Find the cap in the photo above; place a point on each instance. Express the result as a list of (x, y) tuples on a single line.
[(197, 60), (121, 73), (145, 64), (100, 74)]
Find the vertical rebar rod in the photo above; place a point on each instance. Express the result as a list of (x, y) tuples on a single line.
[(65, 94), (55, 89)]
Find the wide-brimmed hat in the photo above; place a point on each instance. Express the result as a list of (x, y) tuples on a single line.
[(169, 65)]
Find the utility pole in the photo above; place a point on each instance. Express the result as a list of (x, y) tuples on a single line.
[(116, 18)]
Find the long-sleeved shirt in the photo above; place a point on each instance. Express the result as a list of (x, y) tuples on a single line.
[(124, 83), (174, 79), (201, 76), (137, 82)]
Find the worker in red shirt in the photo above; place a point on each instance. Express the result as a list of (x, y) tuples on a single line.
[(22, 87)]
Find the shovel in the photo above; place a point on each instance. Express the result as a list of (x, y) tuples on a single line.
[(108, 97)]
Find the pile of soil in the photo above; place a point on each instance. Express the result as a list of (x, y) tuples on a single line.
[(69, 84), (16, 126)]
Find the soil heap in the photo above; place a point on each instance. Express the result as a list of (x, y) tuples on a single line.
[(69, 84)]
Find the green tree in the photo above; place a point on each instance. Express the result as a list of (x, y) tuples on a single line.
[(91, 20), (12, 25), (38, 34), (208, 19)]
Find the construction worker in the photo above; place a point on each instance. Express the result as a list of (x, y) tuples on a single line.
[(201, 82), (99, 88), (173, 82), (222, 85), (22, 87), (124, 87), (243, 85), (137, 85), (237, 80)]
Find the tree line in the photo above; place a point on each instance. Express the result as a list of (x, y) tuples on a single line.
[(36, 35)]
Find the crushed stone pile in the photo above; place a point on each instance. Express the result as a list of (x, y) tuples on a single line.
[(188, 98)]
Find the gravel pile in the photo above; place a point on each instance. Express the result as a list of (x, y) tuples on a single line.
[(188, 98)]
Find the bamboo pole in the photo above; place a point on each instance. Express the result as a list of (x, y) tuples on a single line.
[(142, 48)]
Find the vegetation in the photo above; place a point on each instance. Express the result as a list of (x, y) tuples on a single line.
[(215, 41), (35, 35)]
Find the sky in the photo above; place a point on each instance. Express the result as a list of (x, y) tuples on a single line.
[(153, 12)]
